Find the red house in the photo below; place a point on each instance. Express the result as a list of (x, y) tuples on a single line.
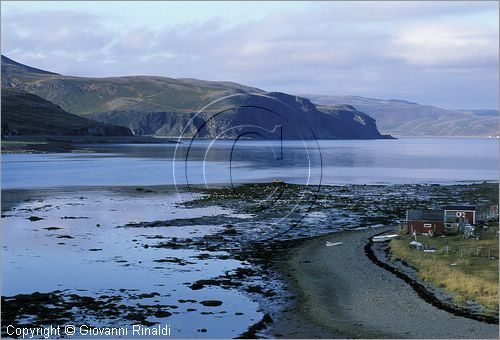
[(425, 221)]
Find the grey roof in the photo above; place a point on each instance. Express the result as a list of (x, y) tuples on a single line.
[(425, 215), (459, 207)]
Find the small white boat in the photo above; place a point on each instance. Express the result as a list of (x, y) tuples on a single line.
[(384, 238), (416, 244), (332, 244)]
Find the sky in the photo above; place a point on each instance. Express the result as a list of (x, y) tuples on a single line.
[(438, 53)]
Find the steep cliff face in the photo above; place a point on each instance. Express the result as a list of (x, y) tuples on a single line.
[(189, 107), (252, 114), (27, 114)]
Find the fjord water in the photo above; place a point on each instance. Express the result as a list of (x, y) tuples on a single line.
[(405, 160), (92, 241)]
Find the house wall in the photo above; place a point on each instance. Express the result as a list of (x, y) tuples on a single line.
[(471, 217), (421, 227)]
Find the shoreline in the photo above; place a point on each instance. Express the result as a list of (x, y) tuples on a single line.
[(201, 186), (41, 144), (314, 275), (378, 253), (341, 293)]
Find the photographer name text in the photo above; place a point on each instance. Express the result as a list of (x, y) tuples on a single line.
[(86, 330)]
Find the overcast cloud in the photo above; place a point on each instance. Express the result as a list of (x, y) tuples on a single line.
[(443, 54)]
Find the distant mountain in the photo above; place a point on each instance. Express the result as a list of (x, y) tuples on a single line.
[(482, 112), (24, 113), (404, 118), (162, 106)]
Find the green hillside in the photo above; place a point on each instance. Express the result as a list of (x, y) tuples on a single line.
[(27, 114), (81, 95), (162, 106)]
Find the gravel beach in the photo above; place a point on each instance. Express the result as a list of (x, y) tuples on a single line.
[(342, 294)]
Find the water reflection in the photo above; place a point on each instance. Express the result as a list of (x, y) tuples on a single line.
[(412, 160)]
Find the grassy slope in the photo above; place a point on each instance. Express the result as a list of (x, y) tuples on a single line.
[(27, 114), (163, 106), (475, 276), (82, 95)]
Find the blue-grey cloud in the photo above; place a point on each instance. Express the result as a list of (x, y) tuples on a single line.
[(428, 52)]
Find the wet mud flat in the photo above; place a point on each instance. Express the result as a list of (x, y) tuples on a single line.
[(208, 262)]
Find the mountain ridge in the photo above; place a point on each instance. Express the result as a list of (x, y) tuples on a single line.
[(160, 106)]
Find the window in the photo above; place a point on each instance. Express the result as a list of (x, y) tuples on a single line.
[(427, 225)]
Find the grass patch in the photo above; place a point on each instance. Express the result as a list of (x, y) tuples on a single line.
[(474, 277)]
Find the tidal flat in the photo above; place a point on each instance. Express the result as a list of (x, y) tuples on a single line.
[(209, 262)]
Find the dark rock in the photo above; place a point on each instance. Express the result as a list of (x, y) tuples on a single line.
[(162, 314), (35, 218), (211, 303), (52, 228)]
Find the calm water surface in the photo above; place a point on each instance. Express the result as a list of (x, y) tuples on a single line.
[(408, 160), (91, 253)]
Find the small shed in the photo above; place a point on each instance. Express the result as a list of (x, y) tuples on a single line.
[(425, 221)]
